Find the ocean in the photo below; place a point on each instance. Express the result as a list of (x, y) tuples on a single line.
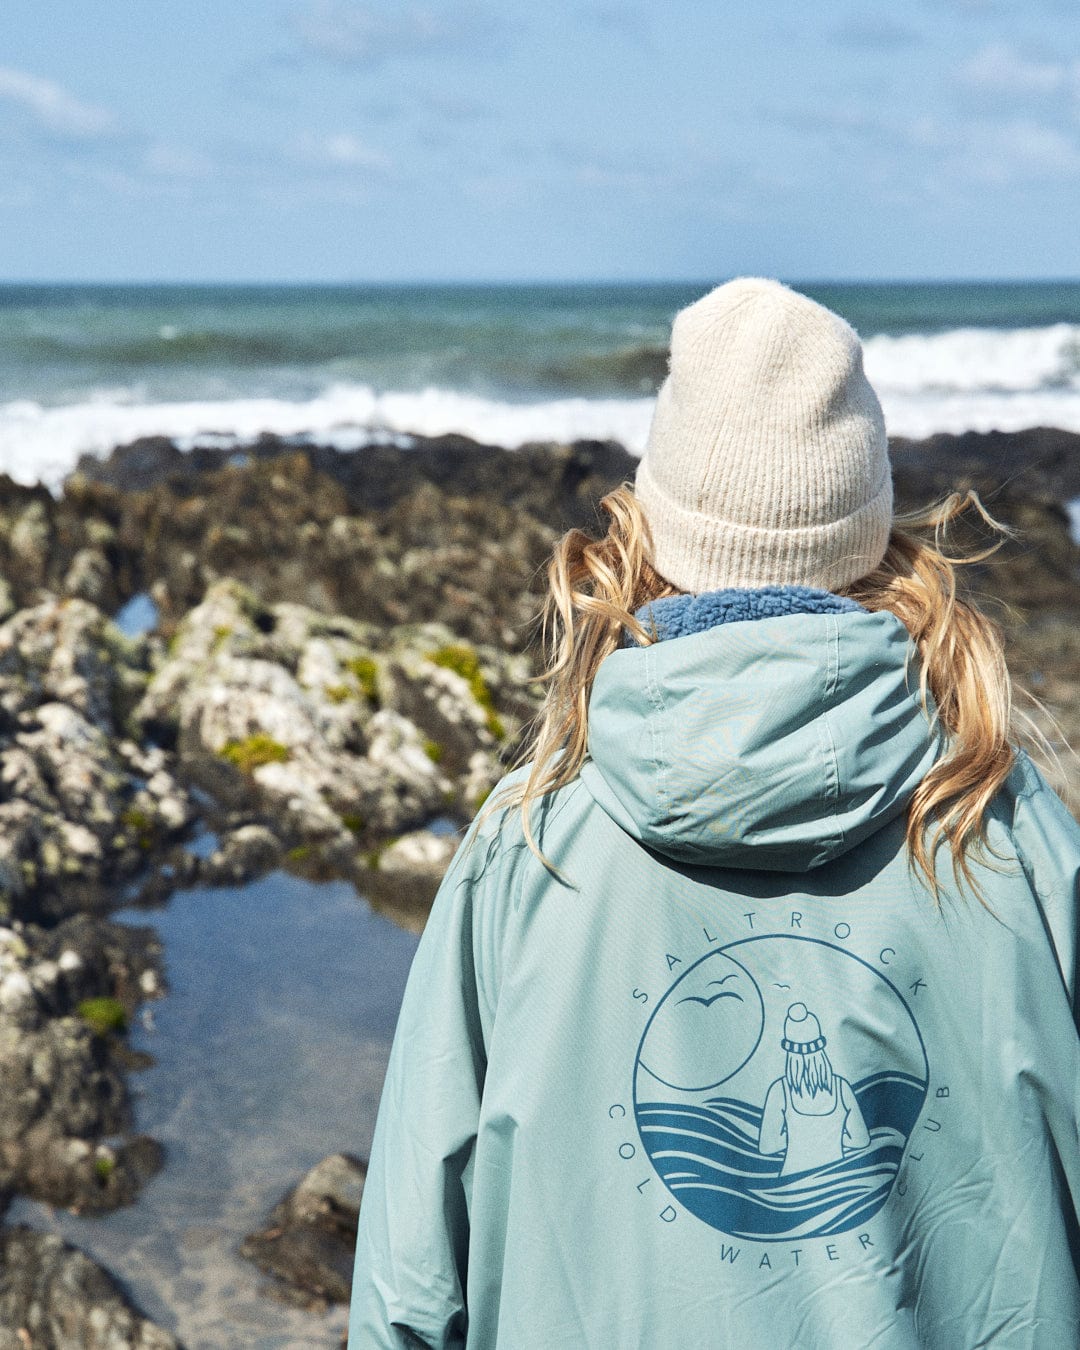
[(86, 368)]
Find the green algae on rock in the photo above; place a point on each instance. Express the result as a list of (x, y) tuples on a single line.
[(462, 660), (366, 671), (102, 1015), (248, 754)]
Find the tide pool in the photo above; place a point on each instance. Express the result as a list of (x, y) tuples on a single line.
[(270, 1050)]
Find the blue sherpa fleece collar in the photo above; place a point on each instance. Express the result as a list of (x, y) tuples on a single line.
[(679, 615)]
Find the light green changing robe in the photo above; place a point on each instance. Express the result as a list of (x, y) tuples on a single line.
[(570, 1151)]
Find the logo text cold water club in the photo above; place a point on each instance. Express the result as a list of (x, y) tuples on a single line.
[(776, 1087)]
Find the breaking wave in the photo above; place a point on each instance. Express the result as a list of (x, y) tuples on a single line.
[(529, 387)]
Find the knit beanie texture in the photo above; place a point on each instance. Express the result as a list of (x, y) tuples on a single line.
[(767, 461)]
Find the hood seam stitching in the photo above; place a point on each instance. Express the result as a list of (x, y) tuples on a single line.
[(832, 792), (656, 698)]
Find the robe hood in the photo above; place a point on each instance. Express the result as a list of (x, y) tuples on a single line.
[(772, 743)]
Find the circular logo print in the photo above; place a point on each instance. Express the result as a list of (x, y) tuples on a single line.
[(775, 1088)]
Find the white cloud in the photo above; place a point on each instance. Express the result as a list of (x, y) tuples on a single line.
[(357, 34), (1000, 69), (339, 150), (53, 108)]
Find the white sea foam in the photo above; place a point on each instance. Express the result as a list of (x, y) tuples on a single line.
[(962, 380), (43, 444), (976, 361), (977, 379)]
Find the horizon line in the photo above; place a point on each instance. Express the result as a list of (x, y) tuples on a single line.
[(481, 282)]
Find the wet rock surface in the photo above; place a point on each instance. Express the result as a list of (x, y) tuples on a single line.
[(309, 1241), (66, 996), (450, 532), (81, 805), (53, 1297)]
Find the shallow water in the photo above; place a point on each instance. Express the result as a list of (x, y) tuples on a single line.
[(270, 1051), (138, 616), (1072, 509)]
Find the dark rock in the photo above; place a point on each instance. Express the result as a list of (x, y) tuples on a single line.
[(310, 1239), (449, 530), (65, 1114), (141, 465), (549, 480)]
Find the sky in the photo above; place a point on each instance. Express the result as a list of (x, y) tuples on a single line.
[(363, 140)]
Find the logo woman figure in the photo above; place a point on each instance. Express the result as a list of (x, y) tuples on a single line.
[(811, 1115)]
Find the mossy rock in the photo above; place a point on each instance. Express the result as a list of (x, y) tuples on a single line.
[(248, 754), (462, 660), (366, 673), (142, 825), (103, 1015), (374, 857), (434, 751), (356, 823)]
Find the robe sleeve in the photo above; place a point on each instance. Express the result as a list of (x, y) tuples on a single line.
[(1047, 840), (411, 1265)]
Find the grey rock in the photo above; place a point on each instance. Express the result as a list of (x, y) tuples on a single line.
[(243, 853), (64, 1114), (402, 879), (28, 540), (81, 806), (91, 578), (54, 1297), (338, 734)]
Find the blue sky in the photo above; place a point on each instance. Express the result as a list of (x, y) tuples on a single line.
[(362, 140)]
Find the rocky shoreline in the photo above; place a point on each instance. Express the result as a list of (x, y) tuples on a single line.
[(339, 668)]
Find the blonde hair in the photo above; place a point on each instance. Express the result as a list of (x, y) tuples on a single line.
[(810, 1073), (595, 585)]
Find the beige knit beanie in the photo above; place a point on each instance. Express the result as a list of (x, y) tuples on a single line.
[(767, 461)]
